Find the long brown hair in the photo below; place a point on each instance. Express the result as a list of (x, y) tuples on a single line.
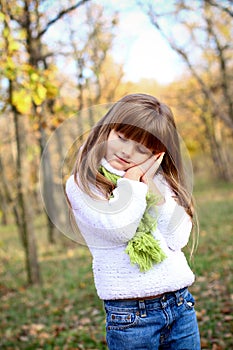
[(144, 119)]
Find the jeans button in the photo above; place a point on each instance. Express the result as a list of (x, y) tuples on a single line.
[(181, 300)]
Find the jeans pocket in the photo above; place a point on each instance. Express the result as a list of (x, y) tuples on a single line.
[(120, 320), (189, 301)]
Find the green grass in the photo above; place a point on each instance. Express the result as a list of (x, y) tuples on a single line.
[(65, 313), (213, 265)]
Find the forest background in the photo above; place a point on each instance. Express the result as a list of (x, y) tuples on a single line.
[(58, 72)]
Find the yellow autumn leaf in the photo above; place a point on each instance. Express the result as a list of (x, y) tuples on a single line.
[(10, 68), (5, 32), (52, 90), (41, 91), (22, 34), (10, 63), (34, 76), (2, 16), (26, 67), (22, 101), (13, 46), (39, 95)]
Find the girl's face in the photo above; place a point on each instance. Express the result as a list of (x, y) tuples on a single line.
[(123, 153)]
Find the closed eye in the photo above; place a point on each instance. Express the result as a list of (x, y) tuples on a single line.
[(122, 137), (143, 150)]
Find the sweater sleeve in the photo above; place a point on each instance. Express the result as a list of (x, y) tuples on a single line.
[(173, 221), (108, 222)]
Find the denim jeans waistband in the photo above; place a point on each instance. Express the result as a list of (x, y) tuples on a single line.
[(176, 296)]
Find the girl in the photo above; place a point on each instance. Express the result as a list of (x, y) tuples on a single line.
[(129, 198)]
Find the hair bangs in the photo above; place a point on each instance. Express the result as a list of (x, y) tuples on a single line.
[(141, 136)]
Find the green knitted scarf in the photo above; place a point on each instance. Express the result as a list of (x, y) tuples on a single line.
[(143, 249)]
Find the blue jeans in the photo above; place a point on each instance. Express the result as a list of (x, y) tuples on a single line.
[(162, 323)]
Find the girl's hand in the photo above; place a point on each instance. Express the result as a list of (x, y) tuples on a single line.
[(145, 171), (150, 173)]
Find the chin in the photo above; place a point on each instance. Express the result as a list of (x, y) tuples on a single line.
[(117, 166)]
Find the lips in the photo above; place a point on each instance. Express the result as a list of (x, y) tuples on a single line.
[(122, 160)]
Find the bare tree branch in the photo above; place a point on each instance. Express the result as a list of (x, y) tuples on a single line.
[(223, 68), (59, 16), (219, 5), (181, 52)]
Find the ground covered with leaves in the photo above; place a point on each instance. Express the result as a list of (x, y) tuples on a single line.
[(65, 313)]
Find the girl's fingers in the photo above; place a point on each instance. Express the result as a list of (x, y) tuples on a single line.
[(154, 165), (146, 169), (160, 158), (147, 164)]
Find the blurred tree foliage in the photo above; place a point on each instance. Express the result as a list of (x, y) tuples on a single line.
[(201, 34), (32, 106)]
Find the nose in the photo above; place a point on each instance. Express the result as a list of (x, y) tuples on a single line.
[(128, 150)]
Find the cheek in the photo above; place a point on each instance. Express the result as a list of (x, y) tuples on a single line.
[(143, 157), (111, 148), (108, 151), (113, 145)]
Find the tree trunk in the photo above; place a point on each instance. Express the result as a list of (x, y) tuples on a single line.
[(3, 209), (7, 197), (219, 159), (48, 187), (25, 208), (216, 146)]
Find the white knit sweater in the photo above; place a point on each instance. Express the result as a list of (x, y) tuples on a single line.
[(107, 226)]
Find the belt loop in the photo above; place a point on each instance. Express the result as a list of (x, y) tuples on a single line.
[(179, 298), (142, 308)]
